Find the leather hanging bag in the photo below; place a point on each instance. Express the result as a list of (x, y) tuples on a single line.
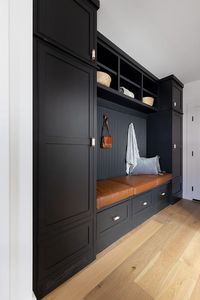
[(106, 140)]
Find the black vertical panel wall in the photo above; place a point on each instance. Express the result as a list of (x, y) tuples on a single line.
[(111, 162)]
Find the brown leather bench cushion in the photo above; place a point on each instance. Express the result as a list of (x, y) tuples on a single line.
[(115, 189), (143, 183), (109, 192)]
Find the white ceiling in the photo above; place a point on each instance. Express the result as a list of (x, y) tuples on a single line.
[(162, 35)]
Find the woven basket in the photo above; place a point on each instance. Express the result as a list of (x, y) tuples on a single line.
[(148, 100), (104, 78)]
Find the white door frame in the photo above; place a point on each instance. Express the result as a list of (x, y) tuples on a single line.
[(4, 149), (16, 149), (188, 136)]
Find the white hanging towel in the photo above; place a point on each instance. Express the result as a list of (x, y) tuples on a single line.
[(132, 152)]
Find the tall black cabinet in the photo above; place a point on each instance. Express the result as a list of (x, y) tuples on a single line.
[(165, 131), (64, 125)]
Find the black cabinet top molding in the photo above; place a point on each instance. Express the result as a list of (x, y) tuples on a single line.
[(174, 78), (96, 3), (101, 37)]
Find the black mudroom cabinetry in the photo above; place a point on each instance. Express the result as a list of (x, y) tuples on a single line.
[(68, 229), (165, 131), (64, 125)]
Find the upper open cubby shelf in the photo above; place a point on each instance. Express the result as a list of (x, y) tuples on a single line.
[(125, 72)]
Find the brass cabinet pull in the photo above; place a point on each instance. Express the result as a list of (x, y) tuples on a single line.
[(92, 142), (93, 55)]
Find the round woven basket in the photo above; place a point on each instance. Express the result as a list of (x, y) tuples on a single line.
[(148, 100), (104, 78)]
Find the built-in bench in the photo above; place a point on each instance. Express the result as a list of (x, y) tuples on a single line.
[(113, 190), (125, 202)]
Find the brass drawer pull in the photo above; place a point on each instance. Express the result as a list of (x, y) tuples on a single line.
[(116, 218), (145, 203)]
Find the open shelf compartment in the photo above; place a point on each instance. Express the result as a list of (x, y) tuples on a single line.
[(107, 58), (119, 98)]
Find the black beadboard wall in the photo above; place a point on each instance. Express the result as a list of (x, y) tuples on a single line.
[(111, 162)]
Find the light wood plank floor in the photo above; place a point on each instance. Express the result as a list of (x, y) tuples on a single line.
[(158, 260)]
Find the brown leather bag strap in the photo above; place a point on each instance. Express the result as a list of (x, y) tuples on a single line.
[(105, 124)]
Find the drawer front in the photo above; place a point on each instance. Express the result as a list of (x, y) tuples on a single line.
[(112, 216), (142, 202), (142, 216), (162, 197), (142, 208), (113, 223)]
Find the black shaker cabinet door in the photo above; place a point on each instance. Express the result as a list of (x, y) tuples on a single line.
[(65, 114), (177, 96), (176, 144), (67, 23), (64, 177)]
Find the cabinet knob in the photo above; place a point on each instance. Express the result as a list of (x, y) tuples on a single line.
[(174, 104), (163, 194), (145, 203), (116, 218), (174, 146)]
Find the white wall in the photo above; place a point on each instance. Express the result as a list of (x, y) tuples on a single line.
[(191, 99), (16, 149), (143, 30), (4, 150)]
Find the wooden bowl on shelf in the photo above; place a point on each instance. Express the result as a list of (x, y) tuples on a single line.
[(148, 100), (104, 78)]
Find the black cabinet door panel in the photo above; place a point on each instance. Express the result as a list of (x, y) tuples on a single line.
[(65, 95), (68, 23), (177, 185), (64, 183), (177, 144), (63, 253), (177, 95), (60, 246)]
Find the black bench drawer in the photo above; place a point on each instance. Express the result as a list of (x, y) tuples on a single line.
[(142, 208), (162, 197), (142, 202), (112, 223)]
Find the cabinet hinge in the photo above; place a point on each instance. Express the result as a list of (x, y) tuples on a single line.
[(93, 54)]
